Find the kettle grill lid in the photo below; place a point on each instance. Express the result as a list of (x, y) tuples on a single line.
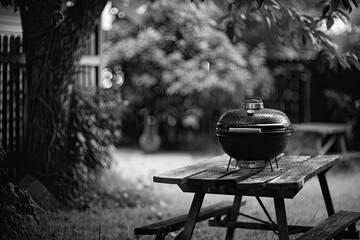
[(254, 115)]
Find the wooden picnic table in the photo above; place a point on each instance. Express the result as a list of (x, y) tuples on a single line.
[(322, 130), (211, 176)]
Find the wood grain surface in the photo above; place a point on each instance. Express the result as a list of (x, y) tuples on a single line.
[(292, 173), (332, 226)]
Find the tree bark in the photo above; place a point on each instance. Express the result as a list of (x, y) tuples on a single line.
[(52, 54)]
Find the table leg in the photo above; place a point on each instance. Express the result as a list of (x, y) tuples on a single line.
[(318, 144), (326, 193), (328, 145), (281, 218), (233, 216), (343, 144), (192, 216)]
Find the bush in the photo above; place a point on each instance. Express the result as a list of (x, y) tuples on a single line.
[(16, 211), (16, 208), (342, 106), (93, 125)]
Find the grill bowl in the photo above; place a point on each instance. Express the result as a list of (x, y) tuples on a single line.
[(254, 146)]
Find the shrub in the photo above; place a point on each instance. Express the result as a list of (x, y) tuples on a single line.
[(93, 125), (16, 211)]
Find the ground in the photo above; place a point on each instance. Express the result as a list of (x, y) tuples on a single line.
[(131, 175), (343, 182)]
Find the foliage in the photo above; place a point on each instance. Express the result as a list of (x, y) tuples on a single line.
[(344, 108), (93, 126), (181, 67), (16, 211), (292, 24), (16, 208)]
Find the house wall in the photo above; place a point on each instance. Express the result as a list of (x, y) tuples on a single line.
[(10, 23)]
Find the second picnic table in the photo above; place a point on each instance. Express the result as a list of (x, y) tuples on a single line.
[(211, 176), (322, 130)]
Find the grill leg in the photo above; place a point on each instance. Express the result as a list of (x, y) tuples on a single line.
[(271, 166)]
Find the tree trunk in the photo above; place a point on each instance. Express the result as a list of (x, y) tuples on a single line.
[(52, 54)]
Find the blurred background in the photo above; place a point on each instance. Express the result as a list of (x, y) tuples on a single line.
[(150, 85)]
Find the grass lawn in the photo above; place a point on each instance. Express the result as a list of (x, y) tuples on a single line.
[(149, 202)]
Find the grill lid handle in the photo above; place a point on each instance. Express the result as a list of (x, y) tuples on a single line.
[(254, 103)]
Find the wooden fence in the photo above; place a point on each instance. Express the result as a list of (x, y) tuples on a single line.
[(13, 94)]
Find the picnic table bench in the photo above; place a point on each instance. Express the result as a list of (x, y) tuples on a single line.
[(212, 176)]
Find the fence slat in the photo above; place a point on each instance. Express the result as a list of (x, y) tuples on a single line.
[(5, 101), (11, 99), (1, 91), (23, 87), (18, 96)]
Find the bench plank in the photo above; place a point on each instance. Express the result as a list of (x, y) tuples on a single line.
[(180, 175), (175, 223), (332, 226), (296, 177)]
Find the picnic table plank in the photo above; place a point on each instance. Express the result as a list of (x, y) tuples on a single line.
[(297, 176), (236, 176), (265, 175), (211, 175), (180, 175), (240, 175), (177, 222)]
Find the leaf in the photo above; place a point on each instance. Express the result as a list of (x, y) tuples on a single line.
[(346, 5), (352, 55), (238, 31), (260, 2), (329, 22), (342, 12), (273, 16), (268, 21), (325, 10), (353, 62), (328, 43), (319, 3), (313, 39), (343, 62), (304, 39)]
